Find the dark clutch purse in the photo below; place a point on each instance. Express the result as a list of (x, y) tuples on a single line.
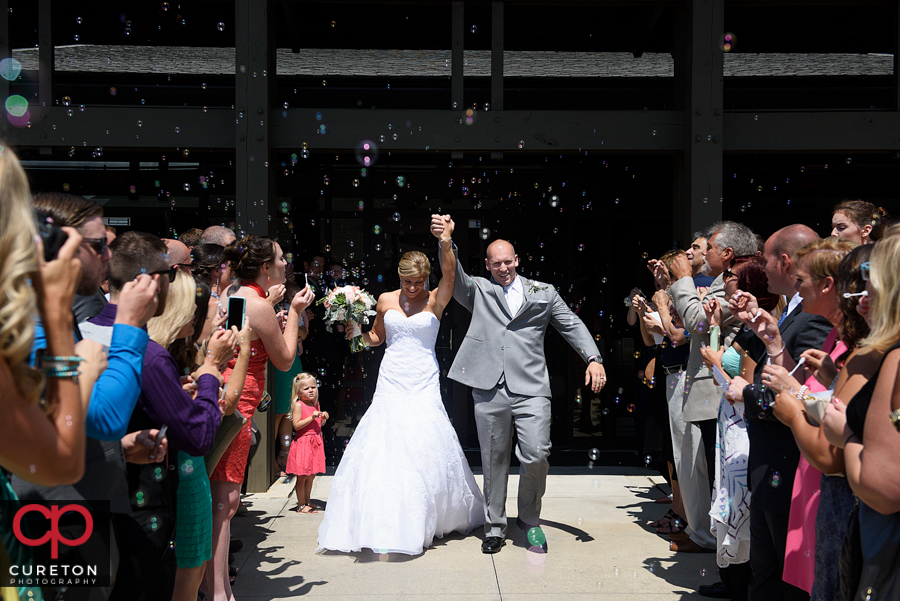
[(228, 429)]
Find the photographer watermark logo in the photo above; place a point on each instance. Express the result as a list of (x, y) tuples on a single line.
[(53, 535), (62, 543)]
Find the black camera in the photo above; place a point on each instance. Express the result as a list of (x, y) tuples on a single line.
[(52, 236)]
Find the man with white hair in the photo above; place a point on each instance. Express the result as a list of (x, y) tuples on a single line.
[(217, 234)]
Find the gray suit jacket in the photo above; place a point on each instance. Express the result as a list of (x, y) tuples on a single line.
[(501, 344), (701, 397)]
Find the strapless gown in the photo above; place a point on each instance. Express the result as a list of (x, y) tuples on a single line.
[(403, 479)]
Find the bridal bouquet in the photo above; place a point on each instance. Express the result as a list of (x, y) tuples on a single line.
[(349, 304)]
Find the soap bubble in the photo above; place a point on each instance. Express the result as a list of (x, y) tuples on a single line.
[(396, 216), (10, 69), (536, 537), (366, 153), (775, 480), (554, 201), (485, 233), (220, 26), (594, 454)]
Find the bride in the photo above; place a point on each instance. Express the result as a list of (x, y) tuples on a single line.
[(403, 479)]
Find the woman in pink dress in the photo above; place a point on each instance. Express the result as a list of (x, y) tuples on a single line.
[(258, 263)]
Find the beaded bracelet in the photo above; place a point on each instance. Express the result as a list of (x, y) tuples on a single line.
[(801, 394), (58, 359), (62, 374)]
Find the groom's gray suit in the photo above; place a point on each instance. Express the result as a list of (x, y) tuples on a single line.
[(502, 359)]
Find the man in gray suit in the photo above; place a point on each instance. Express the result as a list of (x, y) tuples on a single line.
[(502, 359)]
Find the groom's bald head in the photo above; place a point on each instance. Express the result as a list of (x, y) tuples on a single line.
[(502, 261), (499, 246)]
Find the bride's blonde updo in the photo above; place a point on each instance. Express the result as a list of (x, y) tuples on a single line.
[(414, 264)]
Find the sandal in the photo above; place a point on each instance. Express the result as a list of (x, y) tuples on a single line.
[(316, 506), (664, 520), (672, 529), (302, 507)]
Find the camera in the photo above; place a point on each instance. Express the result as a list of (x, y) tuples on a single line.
[(52, 237)]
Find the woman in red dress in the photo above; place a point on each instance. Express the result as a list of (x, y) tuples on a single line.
[(258, 263)]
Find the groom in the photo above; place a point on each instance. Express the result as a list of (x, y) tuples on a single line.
[(502, 359)]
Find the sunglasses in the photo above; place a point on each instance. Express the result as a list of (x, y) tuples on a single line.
[(170, 271), (728, 274), (98, 244), (864, 271)]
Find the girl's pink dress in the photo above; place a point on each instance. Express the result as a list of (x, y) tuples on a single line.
[(307, 455), (800, 551)]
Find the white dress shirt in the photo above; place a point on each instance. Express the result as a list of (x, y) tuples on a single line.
[(515, 295)]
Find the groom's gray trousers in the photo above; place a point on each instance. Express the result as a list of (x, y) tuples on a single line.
[(497, 412)]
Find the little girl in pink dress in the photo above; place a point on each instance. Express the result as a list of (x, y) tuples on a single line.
[(307, 454)]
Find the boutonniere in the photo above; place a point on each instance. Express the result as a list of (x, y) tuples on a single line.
[(535, 288)]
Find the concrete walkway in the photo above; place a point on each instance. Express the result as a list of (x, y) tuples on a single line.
[(598, 542)]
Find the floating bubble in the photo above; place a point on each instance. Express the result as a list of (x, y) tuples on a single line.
[(485, 233), (648, 460), (16, 105), (703, 573), (356, 183), (10, 69), (220, 26), (474, 28), (594, 454), (536, 537), (775, 480), (630, 408), (396, 216), (554, 201), (580, 247), (366, 153), (376, 229)]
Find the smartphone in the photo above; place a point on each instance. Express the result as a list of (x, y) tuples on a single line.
[(236, 308), (714, 339), (161, 435)]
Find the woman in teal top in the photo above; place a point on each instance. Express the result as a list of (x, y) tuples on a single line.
[(284, 380)]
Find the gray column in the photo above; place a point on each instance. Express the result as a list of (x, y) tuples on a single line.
[(703, 90), (255, 185), (458, 31), (497, 56), (45, 54), (254, 85), (5, 50)]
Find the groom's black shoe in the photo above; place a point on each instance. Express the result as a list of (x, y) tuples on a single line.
[(492, 544)]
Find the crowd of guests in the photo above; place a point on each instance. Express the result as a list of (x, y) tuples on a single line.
[(764, 357), (124, 386)]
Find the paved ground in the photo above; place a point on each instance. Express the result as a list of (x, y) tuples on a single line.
[(595, 522)]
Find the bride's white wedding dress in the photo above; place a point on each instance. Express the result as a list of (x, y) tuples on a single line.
[(403, 479)]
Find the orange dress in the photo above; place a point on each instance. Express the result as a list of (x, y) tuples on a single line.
[(233, 465)]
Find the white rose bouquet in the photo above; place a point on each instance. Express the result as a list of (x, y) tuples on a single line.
[(349, 304)]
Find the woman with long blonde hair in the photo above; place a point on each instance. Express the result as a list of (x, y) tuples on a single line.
[(42, 442), (186, 306)]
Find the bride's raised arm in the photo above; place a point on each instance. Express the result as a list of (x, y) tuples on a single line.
[(444, 292)]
